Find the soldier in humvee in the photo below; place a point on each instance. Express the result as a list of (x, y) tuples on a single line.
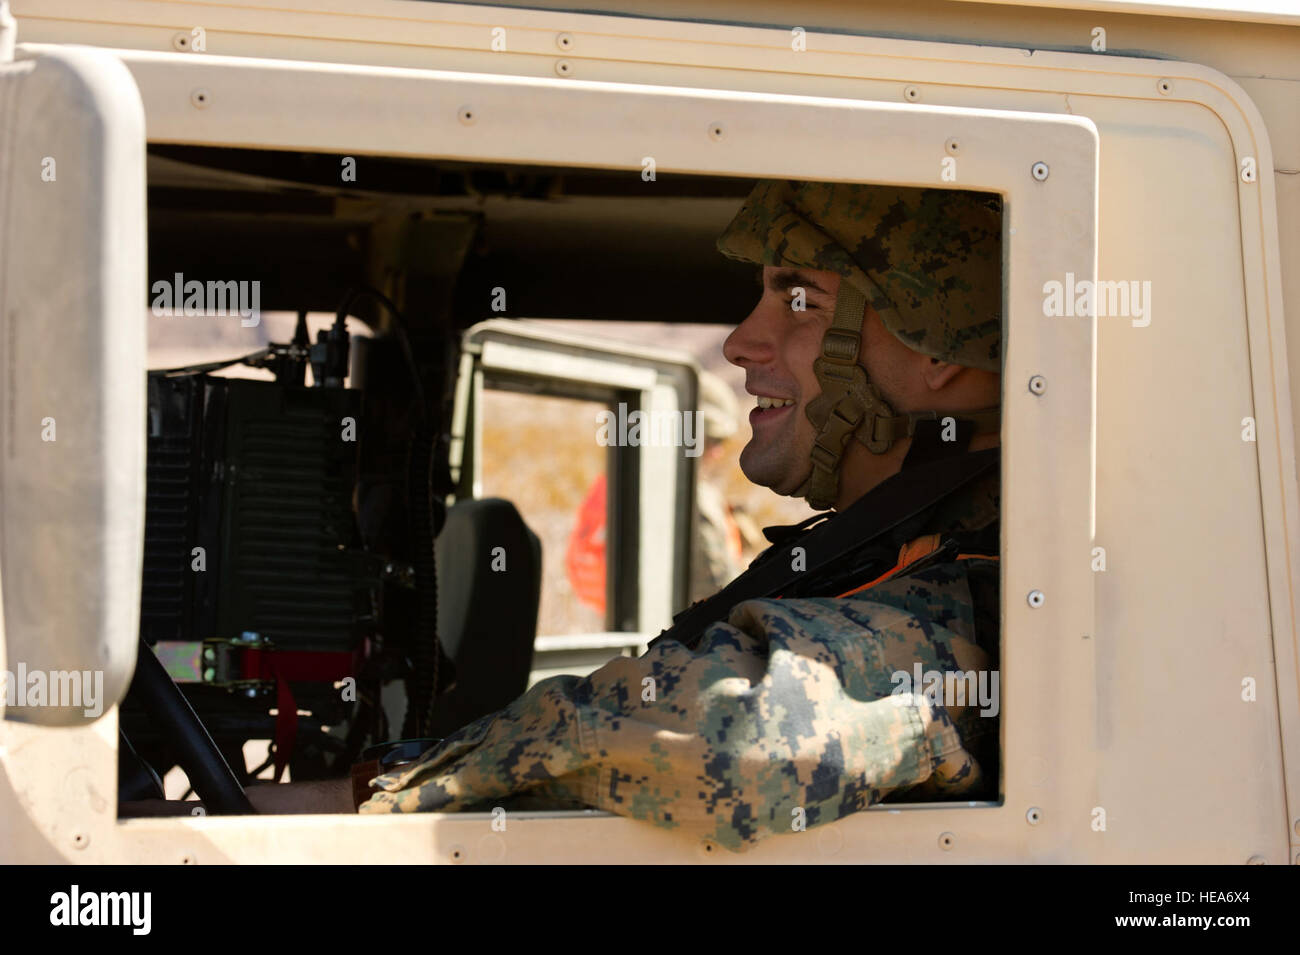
[(788, 699)]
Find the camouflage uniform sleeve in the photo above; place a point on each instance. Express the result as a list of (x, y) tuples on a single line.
[(788, 706)]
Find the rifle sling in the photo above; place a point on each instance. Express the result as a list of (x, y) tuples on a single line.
[(893, 502)]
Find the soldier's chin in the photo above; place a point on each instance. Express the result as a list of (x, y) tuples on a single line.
[(772, 471), (799, 487), (756, 469)]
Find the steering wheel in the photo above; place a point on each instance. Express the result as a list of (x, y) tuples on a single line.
[(209, 773)]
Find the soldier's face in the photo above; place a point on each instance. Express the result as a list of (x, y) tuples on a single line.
[(777, 345)]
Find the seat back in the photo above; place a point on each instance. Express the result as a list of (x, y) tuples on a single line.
[(489, 585)]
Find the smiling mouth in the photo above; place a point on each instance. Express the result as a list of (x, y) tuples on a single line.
[(770, 408)]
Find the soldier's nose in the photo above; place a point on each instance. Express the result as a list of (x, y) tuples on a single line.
[(747, 344)]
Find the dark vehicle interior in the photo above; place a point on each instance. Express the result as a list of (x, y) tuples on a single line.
[(291, 577)]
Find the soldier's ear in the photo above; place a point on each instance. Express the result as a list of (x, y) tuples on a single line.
[(937, 374)]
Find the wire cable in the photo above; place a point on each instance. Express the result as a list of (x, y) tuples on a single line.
[(403, 339)]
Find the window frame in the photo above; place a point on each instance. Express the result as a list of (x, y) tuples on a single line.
[(1049, 229), (655, 483)]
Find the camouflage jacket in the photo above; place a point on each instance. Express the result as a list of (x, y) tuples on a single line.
[(792, 713)]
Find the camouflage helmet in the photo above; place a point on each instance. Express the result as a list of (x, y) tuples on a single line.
[(928, 261)]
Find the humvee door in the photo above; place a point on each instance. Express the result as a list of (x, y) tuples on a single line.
[(535, 407)]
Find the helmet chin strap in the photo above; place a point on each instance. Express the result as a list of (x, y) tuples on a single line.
[(851, 406)]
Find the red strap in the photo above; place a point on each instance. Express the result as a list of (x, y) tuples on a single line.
[(308, 665), (286, 726), (283, 666)]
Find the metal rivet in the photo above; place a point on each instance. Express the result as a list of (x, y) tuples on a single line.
[(188, 859), (1037, 384), (1039, 171), (715, 131), (1256, 860), (952, 146), (181, 41), (1034, 816), (457, 854), (209, 674), (911, 93), (1036, 598), (563, 67), (200, 98), (467, 116), (708, 846), (80, 840), (946, 841), (564, 41), (1165, 87)]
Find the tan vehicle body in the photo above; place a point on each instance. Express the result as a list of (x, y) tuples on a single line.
[(1151, 708)]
